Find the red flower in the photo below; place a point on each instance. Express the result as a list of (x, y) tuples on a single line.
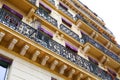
[(6, 17)]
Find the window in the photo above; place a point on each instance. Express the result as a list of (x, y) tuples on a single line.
[(50, 34), (66, 22), (69, 46), (53, 78), (4, 64), (46, 8), (3, 71), (61, 5)]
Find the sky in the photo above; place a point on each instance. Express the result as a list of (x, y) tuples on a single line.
[(109, 11)]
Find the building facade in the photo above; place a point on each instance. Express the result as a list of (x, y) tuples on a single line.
[(55, 40)]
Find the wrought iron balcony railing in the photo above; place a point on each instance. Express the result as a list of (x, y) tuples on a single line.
[(69, 32), (9, 19), (33, 1), (44, 14), (47, 42), (100, 47), (52, 1), (44, 40), (66, 12), (86, 38), (92, 26), (86, 12)]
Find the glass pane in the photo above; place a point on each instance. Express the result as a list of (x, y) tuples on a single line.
[(3, 64), (2, 73)]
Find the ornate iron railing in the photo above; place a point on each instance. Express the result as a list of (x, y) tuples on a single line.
[(90, 40), (93, 27), (9, 19), (68, 54), (86, 12), (44, 14), (85, 38), (100, 47), (65, 11), (69, 32), (45, 41)]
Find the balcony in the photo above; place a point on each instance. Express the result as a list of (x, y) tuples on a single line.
[(9, 19), (52, 1), (80, 17), (65, 11), (23, 5), (86, 39), (100, 47), (107, 37), (93, 27), (45, 41), (86, 12), (93, 13), (69, 32), (41, 12), (45, 15)]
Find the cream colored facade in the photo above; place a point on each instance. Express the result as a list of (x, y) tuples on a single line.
[(24, 70), (55, 40)]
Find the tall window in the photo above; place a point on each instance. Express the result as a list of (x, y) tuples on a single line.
[(3, 70), (4, 64), (53, 78)]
